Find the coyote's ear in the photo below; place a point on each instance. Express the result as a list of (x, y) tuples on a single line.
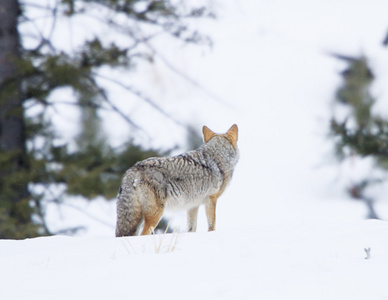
[(232, 135), (207, 134)]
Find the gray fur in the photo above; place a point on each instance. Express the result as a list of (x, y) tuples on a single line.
[(181, 182)]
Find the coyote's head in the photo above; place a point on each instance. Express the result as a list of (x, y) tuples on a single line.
[(231, 135)]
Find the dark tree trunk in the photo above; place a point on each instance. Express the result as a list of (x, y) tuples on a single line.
[(11, 112), (15, 211)]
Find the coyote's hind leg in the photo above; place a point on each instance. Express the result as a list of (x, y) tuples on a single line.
[(151, 221)]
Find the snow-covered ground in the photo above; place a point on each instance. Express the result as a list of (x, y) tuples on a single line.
[(304, 261), (285, 228)]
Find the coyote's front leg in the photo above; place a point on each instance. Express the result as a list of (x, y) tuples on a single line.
[(211, 212), (192, 219)]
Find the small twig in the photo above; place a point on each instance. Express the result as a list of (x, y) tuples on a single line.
[(43, 40), (367, 251), (172, 246), (54, 12), (158, 245)]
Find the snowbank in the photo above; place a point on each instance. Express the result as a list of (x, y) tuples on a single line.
[(305, 261)]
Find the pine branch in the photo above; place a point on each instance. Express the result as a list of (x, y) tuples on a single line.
[(143, 97)]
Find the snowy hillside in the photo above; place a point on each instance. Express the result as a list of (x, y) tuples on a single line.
[(305, 261)]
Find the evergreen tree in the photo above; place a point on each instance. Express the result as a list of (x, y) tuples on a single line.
[(362, 132), (34, 163), (15, 211)]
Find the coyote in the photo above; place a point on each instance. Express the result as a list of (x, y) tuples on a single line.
[(181, 182)]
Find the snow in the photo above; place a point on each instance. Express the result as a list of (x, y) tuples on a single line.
[(304, 261), (285, 227)]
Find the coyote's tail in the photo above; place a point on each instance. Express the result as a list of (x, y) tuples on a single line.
[(129, 214)]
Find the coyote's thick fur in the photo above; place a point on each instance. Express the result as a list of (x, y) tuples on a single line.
[(185, 181)]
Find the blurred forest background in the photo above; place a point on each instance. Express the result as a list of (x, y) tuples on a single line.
[(35, 164), (38, 167)]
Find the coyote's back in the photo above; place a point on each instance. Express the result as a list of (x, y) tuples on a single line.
[(185, 181)]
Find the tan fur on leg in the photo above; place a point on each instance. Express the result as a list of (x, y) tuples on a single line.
[(151, 221), (211, 212)]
